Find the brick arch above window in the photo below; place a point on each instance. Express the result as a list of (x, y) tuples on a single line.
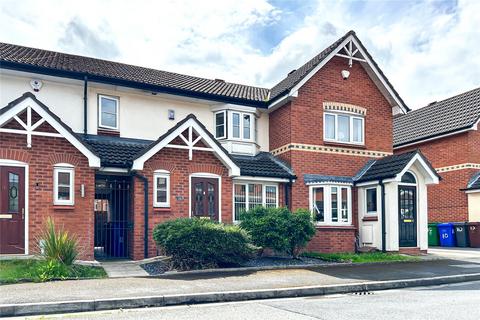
[(344, 107), (56, 158), (160, 165), (207, 168), (17, 155)]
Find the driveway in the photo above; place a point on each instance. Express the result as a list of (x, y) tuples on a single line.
[(462, 254)]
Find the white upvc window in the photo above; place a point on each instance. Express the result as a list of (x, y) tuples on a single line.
[(221, 124), (371, 202), (161, 189), (331, 204), (63, 184), (242, 125), (247, 196), (343, 128), (108, 112)]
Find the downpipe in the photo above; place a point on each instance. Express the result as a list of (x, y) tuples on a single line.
[(145, 208)]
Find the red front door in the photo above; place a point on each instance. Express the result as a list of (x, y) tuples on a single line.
[(205, 198), (12, 210)]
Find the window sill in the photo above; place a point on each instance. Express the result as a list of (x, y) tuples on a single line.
[(63, 207), (347, 227), (161, 209), (370, 218), (344, 144)]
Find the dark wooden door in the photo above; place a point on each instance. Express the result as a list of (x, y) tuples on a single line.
[(407, 207), (205, 198), (12, 210)]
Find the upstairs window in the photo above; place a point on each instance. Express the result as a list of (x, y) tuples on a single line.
[(220, 125), (108, 112), (63, 184), (331, 205), (343, 128), (235, 125)]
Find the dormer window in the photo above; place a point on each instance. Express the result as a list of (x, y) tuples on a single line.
[(343, 128), (108, 112)]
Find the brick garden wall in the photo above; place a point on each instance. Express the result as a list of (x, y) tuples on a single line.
[(301, 121), (41, 158)]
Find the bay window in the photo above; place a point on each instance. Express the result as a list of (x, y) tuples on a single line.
[(220, 125), (235, 125), (331, 204), (343, 128), (247, 196)]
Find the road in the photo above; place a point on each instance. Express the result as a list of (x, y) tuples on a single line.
[(457, 301)]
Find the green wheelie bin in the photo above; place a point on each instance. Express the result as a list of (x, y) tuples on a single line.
[(433, 236)]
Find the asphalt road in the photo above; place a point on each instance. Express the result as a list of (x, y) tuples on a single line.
[(457, 301)]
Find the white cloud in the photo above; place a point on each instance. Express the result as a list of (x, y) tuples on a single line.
[(428, 50)]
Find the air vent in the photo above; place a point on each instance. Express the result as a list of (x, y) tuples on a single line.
[(292, 71)]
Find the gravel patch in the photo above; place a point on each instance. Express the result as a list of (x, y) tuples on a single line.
[(159, 267)]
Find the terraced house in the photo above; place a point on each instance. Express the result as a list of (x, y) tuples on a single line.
[(109, 150), (447, 133)]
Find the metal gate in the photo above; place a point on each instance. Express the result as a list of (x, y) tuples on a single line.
[(113, 217)]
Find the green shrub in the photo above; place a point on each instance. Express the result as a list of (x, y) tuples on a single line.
[(52, 269), (278, 228), (200, 243), (58, 244)]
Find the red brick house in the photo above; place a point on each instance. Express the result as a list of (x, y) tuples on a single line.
[(447, 133), (110, 150)]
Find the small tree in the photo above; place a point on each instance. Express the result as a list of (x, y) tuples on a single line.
[(278, 228)]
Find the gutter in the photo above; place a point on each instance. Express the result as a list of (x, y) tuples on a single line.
[(145, 231), (384, 234)]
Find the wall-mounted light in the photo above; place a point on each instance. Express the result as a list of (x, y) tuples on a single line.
[(345, 74), (171, 114), (82, 190)]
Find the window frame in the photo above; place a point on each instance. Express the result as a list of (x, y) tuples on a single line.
[(264, 194), (351, 117), (161, 174), (117, 109), (371, 213), (225, 120), (241, 126), (327, 204), (64, 168)]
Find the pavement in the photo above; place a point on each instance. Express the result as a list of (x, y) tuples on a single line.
[(123, 268), (112, 293), (454, 301)]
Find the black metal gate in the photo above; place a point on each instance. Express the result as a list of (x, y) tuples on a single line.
[(113, 217)]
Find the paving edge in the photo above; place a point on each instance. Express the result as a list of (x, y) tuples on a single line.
[(28, 309)]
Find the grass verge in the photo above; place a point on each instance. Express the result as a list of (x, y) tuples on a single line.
[(12, 271), (360, 257)]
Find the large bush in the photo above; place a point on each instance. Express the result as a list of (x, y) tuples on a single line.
[(58, 244), (278, 228), (199, 243)]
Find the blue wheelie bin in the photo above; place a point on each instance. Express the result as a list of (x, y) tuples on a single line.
[(447, 234)]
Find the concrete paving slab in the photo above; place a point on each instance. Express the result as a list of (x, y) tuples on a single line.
[(123, 269)]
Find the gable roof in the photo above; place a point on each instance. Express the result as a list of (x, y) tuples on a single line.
[(97, 70), (75, 66), (474, 182), (307, 70), (29, 100), (264, 164), (448, 116), (391, 167)]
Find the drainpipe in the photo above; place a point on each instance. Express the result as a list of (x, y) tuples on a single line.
[(286, 191), (384, 247), (145, 195), (85, 104)]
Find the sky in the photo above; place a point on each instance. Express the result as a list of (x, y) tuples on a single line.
[(429, 50)]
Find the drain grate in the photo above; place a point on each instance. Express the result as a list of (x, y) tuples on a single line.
[(362, 293)]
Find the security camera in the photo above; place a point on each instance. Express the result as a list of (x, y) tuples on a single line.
[(345, 74)]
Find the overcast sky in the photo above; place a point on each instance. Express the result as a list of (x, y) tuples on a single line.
[(428, 50)]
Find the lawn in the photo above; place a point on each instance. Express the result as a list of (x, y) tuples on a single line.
[(360, 257), (12, 271)]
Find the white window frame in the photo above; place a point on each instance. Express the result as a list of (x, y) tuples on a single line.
[(241, 115), (117, 100), (351, 117), (63, 168), (372, 213), (264, 194), (225, 120), (161, 174), (327, 202)]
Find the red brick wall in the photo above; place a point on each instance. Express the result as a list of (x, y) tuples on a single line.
[(176, 161), (301, 121), (41, 157), (446, 203)]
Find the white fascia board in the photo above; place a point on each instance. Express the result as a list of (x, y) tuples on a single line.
[(435, 138), (472, 191), (234, 170), (266, 179), (113, 170), (93, 160), (432, 177), (235, 107), (369, 183)]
